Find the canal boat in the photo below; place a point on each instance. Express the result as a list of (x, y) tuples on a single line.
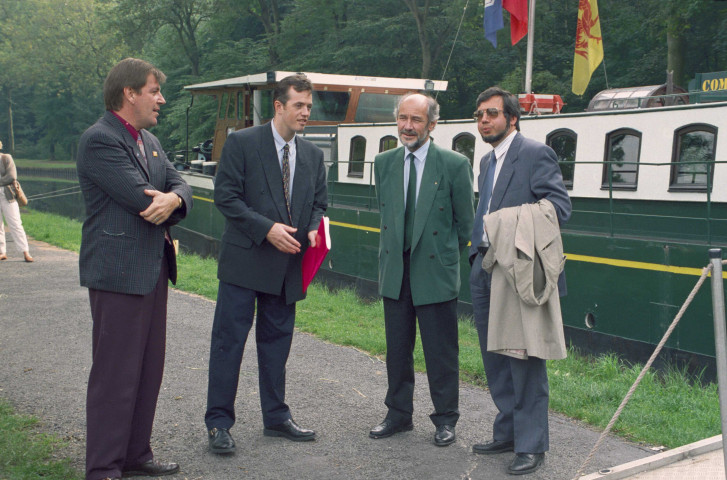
[(645, 171)]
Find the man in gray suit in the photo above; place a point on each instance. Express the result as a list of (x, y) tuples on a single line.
[(516, 172), (133, 195), (271, 188)]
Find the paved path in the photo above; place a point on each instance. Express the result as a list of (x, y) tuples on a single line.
[(45, 337)]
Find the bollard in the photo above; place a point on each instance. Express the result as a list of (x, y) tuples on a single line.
[(720, 337)]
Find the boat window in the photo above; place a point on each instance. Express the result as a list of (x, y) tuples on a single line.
[(376, 107), (357, 157), (266, 105), (329, 106), (623, 148), (222, 106), (563, 142), (387, 143), (464, 143), (693, 157)]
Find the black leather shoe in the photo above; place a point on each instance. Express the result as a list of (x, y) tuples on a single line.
[(444, 435), (525, 463), (290, 430), (388, 427), (495, 446), (152, 468), (221, 441)]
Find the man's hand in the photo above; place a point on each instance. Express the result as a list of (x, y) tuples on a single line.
[(281, 236), (313, 238), (162, 206)]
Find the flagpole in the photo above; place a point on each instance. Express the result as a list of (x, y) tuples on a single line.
[(529, 58)]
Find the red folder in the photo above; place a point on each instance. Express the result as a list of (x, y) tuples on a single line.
[(313, 256)]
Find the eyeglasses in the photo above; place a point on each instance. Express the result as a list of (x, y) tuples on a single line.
[(492, 113)]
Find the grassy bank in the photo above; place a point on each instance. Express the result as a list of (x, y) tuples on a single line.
[(667, 409), (25, 163)]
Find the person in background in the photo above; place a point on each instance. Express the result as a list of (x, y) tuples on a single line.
[(426, 202), (518, 171), (271, 189), (133, 195), (10, 210)]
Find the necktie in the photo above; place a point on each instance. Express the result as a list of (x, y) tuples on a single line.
[(140, 144), (286, 178), (482, 207), (411, 200)]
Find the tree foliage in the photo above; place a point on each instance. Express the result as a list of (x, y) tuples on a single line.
[(54, 54)]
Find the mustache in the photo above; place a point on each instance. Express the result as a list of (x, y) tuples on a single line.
[(408, 132)]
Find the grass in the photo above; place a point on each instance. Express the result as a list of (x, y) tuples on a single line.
[(668, 408), (27, 454)]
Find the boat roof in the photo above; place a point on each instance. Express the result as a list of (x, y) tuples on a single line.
[(318, 79), (635, 97)]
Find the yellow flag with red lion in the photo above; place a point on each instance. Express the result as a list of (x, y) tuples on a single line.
[(589, 45)]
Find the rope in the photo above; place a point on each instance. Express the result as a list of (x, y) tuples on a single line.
[(444, 73), (45, 196), (705, 272), (76, 189)]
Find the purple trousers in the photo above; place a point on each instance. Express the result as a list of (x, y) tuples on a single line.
[(129, 337)]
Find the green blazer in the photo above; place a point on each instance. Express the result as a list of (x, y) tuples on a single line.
[(442, 224)]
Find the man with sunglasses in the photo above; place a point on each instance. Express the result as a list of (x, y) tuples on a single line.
[(518, 171)]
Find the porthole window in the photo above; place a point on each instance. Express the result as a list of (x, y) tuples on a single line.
[(464, 143), (357, 157), (621, 160), (563, 143), (387, 143), (693, 157)]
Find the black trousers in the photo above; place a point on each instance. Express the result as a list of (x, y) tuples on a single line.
[(234, 316), (129, 337), (439, 335)]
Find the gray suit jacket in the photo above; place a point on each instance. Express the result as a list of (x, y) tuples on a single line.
[(529, 173), (249, 193), (120, 251)]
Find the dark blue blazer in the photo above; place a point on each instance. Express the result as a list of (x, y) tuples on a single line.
[(249, 193), (120, 251)]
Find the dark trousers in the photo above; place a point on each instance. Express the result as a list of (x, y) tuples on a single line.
[(129, 335), (438, 331), (519, 388), (273, 335)]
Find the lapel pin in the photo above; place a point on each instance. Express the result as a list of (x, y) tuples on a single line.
[(154, 153)]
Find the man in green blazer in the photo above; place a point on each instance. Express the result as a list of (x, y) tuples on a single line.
[(426, 202)]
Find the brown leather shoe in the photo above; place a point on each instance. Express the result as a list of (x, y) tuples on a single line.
[(28, 258), (152, 468), (3, 257)]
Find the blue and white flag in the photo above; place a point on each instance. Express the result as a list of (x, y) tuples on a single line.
[(493, 20)]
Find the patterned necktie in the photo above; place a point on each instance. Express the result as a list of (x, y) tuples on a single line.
[(140, 144), (286, 178), (411, 200)]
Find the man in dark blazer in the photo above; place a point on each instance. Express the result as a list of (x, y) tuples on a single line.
[(426, 202), (133, 195), (271, 188), (521, 171)]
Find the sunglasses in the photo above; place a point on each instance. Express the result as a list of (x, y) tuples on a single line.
[(491, 113)]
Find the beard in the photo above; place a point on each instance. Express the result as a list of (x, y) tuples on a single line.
[(495, 137), (413, 145)]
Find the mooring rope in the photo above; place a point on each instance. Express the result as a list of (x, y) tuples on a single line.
[(56, 193), (697, 286)]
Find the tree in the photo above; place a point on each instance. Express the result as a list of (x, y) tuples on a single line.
[(141, 20)]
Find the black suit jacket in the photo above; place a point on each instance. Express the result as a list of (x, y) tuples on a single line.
[(120, 251), (249, 193)]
